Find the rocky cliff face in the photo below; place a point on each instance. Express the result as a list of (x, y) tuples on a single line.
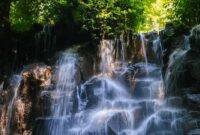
[(19, 117), (193, 58), (188, 69), (186, 76), (20, 112)]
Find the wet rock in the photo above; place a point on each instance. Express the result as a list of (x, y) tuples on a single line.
[(172, 37), (42, 125), (143, 40), (141, 89), (194, 132), (133, 50), (191, 124), (186, 91), (28, 132), (194, 114), (4, 97), (152, 35), (192, 72), (195, 38), (89, 92), (193, 100), (119, 122), (28, 105), (88, 59), (168, 121), (3, 119), (189, 73), (111, 132), (87, 67), (138, 115), (143, 70), (176, 102)]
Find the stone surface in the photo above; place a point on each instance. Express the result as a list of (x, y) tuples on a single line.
[(27, 105), (193, 100), (195, 38), (194, 132)]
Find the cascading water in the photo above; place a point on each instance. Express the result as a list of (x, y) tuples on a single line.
[(15, 84), (107, 59), (108, 107), (66, 84), (123, 50), (186, 44), (175, 64), (144, 52), (112, 54), (122, 100), (144, 48), (158, 51)]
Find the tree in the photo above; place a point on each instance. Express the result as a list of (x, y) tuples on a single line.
[(187, 11), (157, 13), (25, 13), (111, 17)]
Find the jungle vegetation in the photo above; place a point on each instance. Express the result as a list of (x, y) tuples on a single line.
[(100, 17)]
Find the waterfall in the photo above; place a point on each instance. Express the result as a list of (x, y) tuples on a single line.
[(15, 84), (123, 49), (122, 99), (108, 107), (105, 104), (106, 55), (186, 44), (112, 53), (158, 51), (66, 84), (144, 51), (175, 64), (142, 38)]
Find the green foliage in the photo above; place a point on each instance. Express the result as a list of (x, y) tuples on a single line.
[(187, 11), (160, 12), (157, 13), (111, 17), (105, 18), (25, 13)]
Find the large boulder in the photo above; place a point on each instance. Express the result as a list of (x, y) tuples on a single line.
[(27, 105)]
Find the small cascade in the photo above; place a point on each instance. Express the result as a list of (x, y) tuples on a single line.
[(112, 54), (158, 51), (186, 44), (66, 84), (144, 51), (195, 34), (144, 48), (15, 84), (107, 56), (175, 64), (123, 49)]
